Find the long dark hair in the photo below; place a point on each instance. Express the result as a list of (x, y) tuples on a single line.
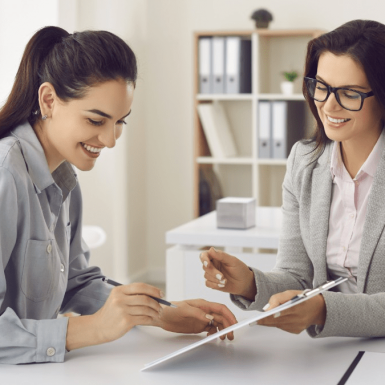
[(71, 63), (364, 42)]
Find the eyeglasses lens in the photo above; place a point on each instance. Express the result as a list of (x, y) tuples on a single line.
[(348, 99)]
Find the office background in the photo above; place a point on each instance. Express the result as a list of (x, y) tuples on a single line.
[(144, 186)]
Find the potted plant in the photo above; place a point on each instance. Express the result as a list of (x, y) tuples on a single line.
[(287, 86), (262, 18)]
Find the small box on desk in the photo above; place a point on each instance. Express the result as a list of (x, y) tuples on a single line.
[(236, 213)]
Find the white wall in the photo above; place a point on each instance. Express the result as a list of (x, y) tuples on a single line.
[(114, 192), (16, 28)]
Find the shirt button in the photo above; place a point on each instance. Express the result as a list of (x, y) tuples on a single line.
[(49, 248), (51, 352), (61, 267), (343, 248), (351, 215)]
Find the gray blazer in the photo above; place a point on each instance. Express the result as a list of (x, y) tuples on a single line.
[(301, 259)]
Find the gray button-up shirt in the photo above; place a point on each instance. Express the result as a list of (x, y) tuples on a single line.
[(43, 259)]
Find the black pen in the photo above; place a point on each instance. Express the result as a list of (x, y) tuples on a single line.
[(159, 300)]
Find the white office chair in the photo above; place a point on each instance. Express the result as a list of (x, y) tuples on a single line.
[(94, 236)]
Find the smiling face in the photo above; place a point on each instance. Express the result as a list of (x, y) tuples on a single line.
[(341, 125), (78, 130)]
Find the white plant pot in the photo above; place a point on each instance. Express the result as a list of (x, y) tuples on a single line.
[(287, 88)]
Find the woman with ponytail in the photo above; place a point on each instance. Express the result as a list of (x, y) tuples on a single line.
[(71, 98)]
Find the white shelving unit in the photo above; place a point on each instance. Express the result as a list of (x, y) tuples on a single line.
[(248, 175)]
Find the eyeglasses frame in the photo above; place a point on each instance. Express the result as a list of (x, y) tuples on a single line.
[(334, 90)]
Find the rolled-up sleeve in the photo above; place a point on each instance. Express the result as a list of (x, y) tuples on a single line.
[(26, 340), (22, 340)]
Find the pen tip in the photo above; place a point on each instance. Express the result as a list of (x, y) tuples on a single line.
[(174, 306)]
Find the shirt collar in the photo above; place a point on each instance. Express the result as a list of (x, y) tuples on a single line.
[(371, 163), (337, 166), (33, 153)]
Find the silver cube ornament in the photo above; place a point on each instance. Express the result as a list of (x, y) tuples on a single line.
[(236, 213)]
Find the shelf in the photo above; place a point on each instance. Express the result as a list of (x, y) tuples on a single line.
[(280, 97), (264, 32), (273, 52), (289, 33), (250, 97), (225, 97), (235, 161), (272, 162)]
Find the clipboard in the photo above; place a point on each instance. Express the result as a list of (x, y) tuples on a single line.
[(304, 296)]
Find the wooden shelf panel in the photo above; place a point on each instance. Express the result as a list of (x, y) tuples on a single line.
[(225, 97), (234, 161), (272, 162), (235, 97), (265, 32), (289, 32), (280, 97)]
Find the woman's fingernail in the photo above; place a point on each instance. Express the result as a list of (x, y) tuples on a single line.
[(205, 263), (276, 315), (219, 277), (161, 294), (209, 316), (266, 307), (220, 285), (215, 249)]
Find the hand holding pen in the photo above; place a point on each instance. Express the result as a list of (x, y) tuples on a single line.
[(159, 300), (126, 307), (190, 316)]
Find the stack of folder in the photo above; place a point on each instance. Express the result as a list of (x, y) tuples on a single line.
[(224, 65), (280, 125)]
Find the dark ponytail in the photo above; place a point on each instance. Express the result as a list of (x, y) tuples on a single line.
[(71, 63)]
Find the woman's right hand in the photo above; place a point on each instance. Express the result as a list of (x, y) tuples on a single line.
[(126, 306), (226, 273)]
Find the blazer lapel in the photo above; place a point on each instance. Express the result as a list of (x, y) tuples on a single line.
[(374, 224), (319, 216)]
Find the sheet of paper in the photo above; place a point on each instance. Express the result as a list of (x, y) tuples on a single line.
[(249, 321)]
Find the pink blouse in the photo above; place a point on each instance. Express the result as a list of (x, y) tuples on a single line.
[(347, 215)]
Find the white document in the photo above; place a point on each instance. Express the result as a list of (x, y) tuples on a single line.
[(217, 130), (233, 52), (218, 65), (307, 294), (205, 74), (264, 129), (279, 129)]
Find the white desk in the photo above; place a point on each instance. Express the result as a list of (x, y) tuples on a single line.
[(203, 231), (184, 274), (258, 355)]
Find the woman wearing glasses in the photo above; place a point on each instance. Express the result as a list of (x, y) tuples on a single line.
[(333, 199)]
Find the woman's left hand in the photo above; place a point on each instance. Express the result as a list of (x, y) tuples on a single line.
[(297, 318), (194, 316)]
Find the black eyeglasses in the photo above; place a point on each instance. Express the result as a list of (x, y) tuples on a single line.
[(351, 100)]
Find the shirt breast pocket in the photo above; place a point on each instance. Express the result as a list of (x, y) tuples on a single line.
[(40, 270)]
